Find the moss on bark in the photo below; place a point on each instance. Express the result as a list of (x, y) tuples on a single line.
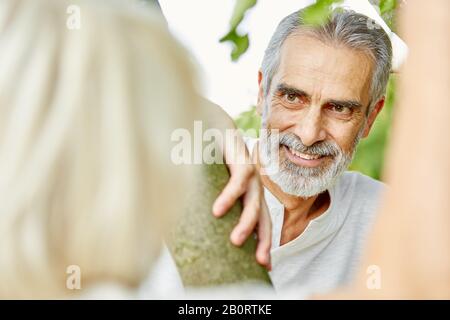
[(200, 242)]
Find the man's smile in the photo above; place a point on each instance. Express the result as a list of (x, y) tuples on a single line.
[(303, 159)]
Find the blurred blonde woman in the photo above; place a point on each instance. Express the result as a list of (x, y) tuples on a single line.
[(86, 111)]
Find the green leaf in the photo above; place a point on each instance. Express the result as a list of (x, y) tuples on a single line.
[(240, 8), (387, 6), (249, 120), (319, 12), (240, 42)]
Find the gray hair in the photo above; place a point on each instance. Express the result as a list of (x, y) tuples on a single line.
[(344, 27)]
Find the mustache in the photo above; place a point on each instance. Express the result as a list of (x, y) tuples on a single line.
[(321, 148)]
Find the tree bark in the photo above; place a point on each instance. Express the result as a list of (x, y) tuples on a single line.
[(200, 242)]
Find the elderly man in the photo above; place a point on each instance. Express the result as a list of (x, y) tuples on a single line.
[(320, 90)]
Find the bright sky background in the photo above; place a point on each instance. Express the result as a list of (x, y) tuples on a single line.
[(199, 24)]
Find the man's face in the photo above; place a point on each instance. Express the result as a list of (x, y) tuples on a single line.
[(318, 101)]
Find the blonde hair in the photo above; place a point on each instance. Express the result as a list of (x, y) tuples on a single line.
[(85, 122)]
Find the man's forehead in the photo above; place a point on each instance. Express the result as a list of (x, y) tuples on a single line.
[(311, 64)]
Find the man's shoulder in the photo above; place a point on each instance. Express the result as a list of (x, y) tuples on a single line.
[(363, 182), (361, 188)]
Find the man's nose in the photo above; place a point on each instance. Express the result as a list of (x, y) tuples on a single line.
[(310, 128)]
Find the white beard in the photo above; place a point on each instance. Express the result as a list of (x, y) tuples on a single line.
[(303, 181)]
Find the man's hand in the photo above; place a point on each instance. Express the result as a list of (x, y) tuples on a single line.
[(244, 182)]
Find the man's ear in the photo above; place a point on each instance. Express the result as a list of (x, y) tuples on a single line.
[(373, 115), (260, 101)]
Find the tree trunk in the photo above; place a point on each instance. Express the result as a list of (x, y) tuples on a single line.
[(200, 242)]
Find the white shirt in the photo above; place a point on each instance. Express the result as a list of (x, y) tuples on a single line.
[(328, 252)]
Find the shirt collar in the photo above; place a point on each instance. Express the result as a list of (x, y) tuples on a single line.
[(318, 228)]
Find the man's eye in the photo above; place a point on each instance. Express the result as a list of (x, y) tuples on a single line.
[(291, 97), (340, 109)]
